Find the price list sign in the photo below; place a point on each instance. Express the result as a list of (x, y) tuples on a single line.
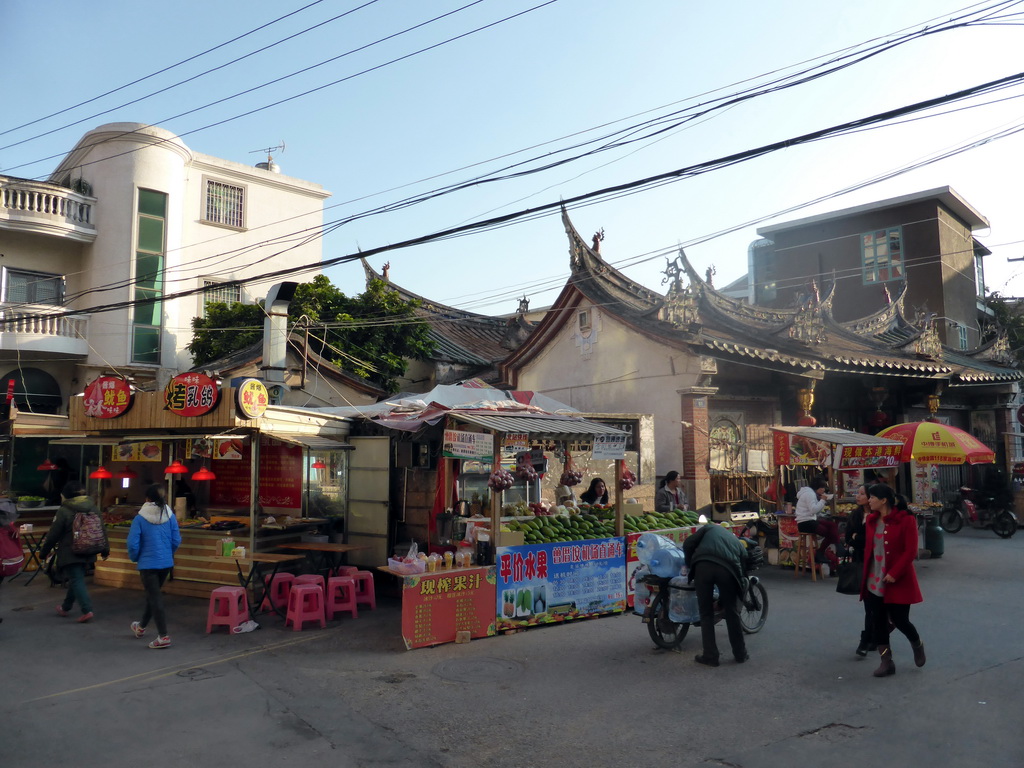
[(437, 605)]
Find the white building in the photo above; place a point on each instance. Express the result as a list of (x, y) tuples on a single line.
[(133, 215)]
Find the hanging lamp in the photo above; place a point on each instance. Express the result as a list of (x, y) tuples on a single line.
[(318, 464), (204, 474), (176, 468), (47, 466), (101, 473)]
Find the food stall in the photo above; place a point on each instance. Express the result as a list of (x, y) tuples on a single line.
[(241, 475), (841, 455)]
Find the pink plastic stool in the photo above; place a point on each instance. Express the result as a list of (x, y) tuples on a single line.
[(276, 595), (345, 570), (228, 607), (341, 596), (305, 603), (311, 578), (365, 592)]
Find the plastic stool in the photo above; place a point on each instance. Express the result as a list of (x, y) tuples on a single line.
[(228, 607), (345, 570), (341, 596), (311, 578), (276, 591), (365, 593), (305, 603), (806, 548)]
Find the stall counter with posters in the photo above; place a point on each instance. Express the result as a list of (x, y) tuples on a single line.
[(832, 451)]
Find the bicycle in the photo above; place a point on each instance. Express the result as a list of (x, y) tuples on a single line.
[(668, 634)]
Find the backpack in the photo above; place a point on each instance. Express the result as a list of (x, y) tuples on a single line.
[(12, 558), (88, 536)]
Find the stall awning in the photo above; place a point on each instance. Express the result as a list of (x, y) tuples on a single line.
[(832, 447), (313, 442), (557, 428)]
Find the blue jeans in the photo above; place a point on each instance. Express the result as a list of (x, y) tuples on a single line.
[(75, 574)]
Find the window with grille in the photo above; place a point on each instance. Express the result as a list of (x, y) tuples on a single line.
[(882, 255), (150, 245), (32, 287), (225, 293), (225, 204)]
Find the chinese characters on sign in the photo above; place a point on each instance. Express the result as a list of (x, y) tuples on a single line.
[(252, 399), (609, 447), (437, 605), (191, 394), (107, 397), (859, 456), (467, 445), (545, 583)]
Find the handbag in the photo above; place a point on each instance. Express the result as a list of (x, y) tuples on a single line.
[(849, 577)]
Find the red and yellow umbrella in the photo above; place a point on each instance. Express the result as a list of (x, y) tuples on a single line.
[(934, 443)]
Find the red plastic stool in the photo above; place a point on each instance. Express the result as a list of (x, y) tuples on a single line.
[(228, 607), (311, 578), (365, 592), (345, 570), (341, 596), (305, 603), (277, 589)]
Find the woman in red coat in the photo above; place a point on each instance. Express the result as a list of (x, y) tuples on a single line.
[(890, 586)]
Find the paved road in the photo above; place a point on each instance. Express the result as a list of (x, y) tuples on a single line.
[(589, 693)]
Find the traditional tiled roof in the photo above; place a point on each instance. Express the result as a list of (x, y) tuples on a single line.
[(800, 339)]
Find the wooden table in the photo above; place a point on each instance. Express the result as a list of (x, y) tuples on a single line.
[(257, 580), (320, 552)]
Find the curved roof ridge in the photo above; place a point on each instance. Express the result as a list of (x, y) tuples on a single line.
[(428, 305)]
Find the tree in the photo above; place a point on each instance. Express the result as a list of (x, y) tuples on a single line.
[(370, 335)]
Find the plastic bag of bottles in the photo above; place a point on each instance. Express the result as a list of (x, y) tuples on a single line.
[(682, 602), (648, 544), (641, 592)]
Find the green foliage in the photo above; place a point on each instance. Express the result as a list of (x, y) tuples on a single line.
[(370, 335)]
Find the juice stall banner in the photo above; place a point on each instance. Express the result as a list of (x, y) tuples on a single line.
[(546, 583), (437, 605)]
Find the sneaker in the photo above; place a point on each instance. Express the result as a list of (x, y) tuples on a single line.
[(61, 611), (137, 629), (161, 642), (85, 617)]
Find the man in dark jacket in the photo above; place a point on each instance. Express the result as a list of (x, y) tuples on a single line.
[(714, 558), (71, 565)]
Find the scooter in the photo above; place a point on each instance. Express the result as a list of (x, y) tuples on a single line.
[(978, 511)]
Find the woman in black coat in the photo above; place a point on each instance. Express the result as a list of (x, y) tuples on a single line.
[(855, 544)]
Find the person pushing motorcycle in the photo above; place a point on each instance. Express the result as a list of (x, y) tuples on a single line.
[(714, 558)]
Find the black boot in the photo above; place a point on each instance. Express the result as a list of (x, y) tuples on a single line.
[(886, 667), (864, 647), (919, 653)]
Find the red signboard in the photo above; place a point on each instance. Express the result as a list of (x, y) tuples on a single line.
[(437, 605), (107, 397), (859, 456), (191, 394), (280, 477)]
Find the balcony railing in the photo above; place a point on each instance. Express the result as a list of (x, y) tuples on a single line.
[(44, 333), (46, 208)]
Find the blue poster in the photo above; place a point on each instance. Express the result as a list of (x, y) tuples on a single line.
[(548, 583)]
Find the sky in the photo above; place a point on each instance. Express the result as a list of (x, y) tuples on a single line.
[(401, 98)]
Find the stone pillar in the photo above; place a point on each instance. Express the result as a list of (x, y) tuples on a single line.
[(696, 452)]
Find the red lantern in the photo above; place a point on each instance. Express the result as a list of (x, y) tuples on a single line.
[(806, 420), (879, 420)]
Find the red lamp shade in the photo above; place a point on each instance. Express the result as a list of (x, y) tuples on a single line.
[(101, 474), (318, 465), (47, 466), (204, 474), (176, 468), (126, 473)]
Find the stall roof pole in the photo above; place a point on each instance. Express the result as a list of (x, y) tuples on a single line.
[(495, 500), (620, 523), (254, 488)]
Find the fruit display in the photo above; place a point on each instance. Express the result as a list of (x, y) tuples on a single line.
[(628, 479), (570, 475), (525, 470), (555, 528), (501, 480), (655, 521)]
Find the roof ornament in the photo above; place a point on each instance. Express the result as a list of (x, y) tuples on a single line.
[(598, 237), (681, 307), (524, 306), (384, 272), (999, 351), (929, 344), (808, 324), (709, 274)]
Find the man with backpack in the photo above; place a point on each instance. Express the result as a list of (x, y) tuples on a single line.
[(78, 535)]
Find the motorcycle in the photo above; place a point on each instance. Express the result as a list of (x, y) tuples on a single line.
[(669, 634), (971, 507)]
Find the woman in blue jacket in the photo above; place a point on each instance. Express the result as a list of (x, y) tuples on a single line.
[(152, 541)]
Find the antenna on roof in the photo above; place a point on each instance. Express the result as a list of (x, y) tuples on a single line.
[(270, 165)]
